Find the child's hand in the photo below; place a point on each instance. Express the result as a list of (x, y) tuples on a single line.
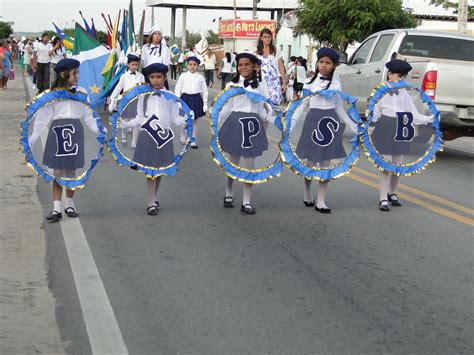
[(205, 108)]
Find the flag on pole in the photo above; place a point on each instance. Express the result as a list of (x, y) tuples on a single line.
[(131, 28), (67, 41), (88, 28), (107, 71), (93, 57)]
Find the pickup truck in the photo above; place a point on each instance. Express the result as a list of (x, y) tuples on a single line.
[(443, 66)]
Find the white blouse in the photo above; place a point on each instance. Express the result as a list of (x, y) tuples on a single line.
[(166, 110), (62, 109), (192, 83), (126, 82), (151, 54), (242, 103), (56, 57), (320, 102), (389, 105)]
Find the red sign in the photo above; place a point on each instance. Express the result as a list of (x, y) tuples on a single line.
[(244, 28)]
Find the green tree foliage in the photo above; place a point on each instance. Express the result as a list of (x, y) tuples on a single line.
[(192, 38), (340, 22), (451, 5), (5, 29)]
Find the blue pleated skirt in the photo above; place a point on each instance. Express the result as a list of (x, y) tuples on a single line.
[(195, 103)]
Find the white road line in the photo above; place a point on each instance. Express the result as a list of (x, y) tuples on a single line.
[(104, 333)]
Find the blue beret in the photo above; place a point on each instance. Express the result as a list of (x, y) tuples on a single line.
[(328, 52), (155, 68), (194, 59), (253, 58), (398, 66), (132, 58), (65, 64)]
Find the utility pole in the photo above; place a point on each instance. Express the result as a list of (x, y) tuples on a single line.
[(462, 16), (152, 16), (235, 9), (255, 2)]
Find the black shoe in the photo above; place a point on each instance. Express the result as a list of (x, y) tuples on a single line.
[(384, 207), (324, 210), (228, 202), (247, 209), (71, 212), (308, 203), (157, 205), (54, 216), (194, 146), (152, 211), (392, 200)]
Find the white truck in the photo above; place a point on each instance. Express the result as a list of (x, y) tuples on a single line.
[(443, 66)]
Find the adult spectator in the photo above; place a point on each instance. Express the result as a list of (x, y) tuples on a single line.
[(7, 62), (209, 67), (272, 67), (28, 53), (41, 60), (227, 69), (59, 52)]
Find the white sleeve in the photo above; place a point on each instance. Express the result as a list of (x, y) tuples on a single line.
[(341, 112), (298, 113), (418, 118), (179, 86), (139, 118), (227, 109), (265, 109), (174, 114), (90, 120), (43, 117), (376, 114), (165, 53), (117, 90), (204, 91)]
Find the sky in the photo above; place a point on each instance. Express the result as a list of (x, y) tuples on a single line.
[(36, 16)]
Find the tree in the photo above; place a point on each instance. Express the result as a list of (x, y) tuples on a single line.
[(340, 22), (194, 37), (448, 5), (5, 29)]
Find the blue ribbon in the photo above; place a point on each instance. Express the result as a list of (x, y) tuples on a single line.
[(374, 156), (37, 104), (292, 160), (249, 176), (114, 120)]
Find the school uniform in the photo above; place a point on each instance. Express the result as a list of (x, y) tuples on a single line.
[(148, 152), (385, 121), (231, 136), (127, 81), (319, 108), (159, 53), (42, 65), (64, 112), (192, 89)]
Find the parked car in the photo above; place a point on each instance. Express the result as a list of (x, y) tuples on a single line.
[(443, 66)]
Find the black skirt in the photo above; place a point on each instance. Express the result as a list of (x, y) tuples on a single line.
[(59, 154), (232, 140), (383, 137), (195, 103), (308, 149)]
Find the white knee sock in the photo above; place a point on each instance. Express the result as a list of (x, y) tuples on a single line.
[(135, 133), (228, 188), (157, 186), (195, 128), (308, 196), (57, 206), (322, 189), (384, 185), (247, 194), (151, 188), (69, 203)]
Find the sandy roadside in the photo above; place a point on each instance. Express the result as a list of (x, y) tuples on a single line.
[(27, 307)]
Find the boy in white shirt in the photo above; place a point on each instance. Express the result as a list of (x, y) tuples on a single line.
[(132, 77), (191, 87)]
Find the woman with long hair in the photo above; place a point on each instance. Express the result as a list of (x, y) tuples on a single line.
[(59, 52), (272, 68)]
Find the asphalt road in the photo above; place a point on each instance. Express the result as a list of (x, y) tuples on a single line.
[(201, 279)]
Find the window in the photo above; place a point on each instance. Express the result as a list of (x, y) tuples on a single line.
[(381, 48), (360, 56), (438, 47)]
